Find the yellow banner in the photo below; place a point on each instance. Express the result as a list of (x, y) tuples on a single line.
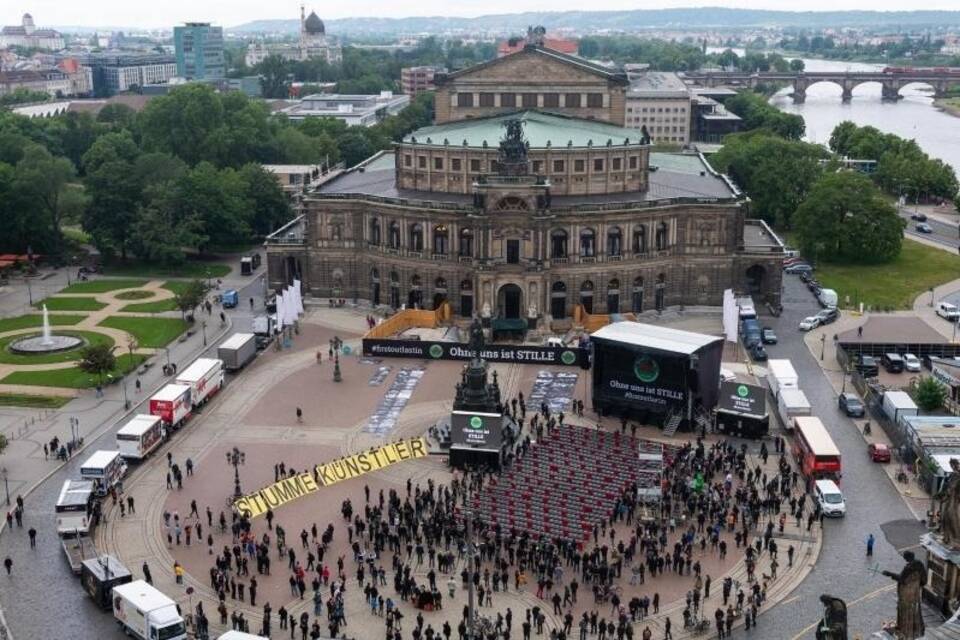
[(303, 484)]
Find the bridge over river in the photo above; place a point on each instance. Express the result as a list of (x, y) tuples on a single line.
[(892, 81)]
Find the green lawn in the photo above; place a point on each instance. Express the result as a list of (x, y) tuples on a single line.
[(151, 307), (186, 270), (73, 377), (135, 294), (64, 303), (149, 332), (36, 320), (177, 286), (104, 285), (894, 285), (32, 402), (63, 356)]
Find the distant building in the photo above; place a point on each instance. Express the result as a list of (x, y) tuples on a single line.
[(27, 35), (199, 51), (537, 35), (117, 71), (659, 101), (355, 110), (711, 120), (416, 80), (81, 77), (313, 43), (53, 82)]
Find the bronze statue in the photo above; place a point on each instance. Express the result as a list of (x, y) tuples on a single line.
[(476, 337), (949, 498), (833, 626), (910, 583), (512, 158)]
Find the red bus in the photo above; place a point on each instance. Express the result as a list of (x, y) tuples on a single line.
[(814, 449)]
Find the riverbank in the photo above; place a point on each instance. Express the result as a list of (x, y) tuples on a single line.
[(948, 105)]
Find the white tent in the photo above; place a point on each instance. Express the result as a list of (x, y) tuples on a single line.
[(298, 296), (283, 313)]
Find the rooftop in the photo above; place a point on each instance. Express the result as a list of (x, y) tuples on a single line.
[(657, 84), (656, 337), (894, 330), (540, 129), (685, 177)]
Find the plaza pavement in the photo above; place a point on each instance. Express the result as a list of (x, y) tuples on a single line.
[(256, 414)]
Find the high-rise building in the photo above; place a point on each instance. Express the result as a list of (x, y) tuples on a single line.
[(199, 48)]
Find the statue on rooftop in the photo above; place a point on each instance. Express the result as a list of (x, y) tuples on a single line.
[(512, 159), (949, 498), (910, 583)]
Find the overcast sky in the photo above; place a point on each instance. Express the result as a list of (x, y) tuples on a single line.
[(229, 13)]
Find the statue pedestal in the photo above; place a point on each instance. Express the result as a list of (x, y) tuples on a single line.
[(943, 568)]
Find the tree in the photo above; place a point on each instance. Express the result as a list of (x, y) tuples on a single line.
[(757, 113), (217, 201), (190, 297), (929, 394), (273, 77), (183, 122), (776, 173), (114, 190), (269, 203), (98, 360), (797, 65), (845, 218), (842, 136), (46, 181), (119, 115), (355, 146), (159, 235)]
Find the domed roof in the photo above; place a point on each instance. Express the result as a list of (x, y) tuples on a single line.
[(314, 24)]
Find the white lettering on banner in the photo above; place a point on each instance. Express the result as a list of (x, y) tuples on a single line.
[(634, 391)]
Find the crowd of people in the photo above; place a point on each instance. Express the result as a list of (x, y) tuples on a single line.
[(409, 551)]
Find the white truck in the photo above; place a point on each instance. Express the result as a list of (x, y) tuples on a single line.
[(898, 403), (204, 377), (790, 404), (105, 469), (74, 508), (746, 309), (140, 436), (781, 375), (240, 635), (237, 350), (146, 613)]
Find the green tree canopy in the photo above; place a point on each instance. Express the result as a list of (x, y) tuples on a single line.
[(98, 360), (757, 113), (930, 394), (845, 218)]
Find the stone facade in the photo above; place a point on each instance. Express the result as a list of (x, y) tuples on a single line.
[(534, 78)]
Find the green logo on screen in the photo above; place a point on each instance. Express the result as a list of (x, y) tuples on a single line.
[(568, 357), (436, 351), (646, 368), (476, 422), (743, 391)]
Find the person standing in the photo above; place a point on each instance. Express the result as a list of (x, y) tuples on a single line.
[(147, 577), (33, 537), (8, 564), (870, 542)]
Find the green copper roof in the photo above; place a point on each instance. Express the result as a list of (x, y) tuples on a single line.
[(540, 129)]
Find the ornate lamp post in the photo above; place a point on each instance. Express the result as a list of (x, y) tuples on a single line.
[(235, 458), (6, 485), (336, 369)]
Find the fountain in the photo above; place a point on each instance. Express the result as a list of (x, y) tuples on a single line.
[(46, 342)]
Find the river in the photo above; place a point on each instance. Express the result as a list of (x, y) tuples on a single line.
[(937, 132)]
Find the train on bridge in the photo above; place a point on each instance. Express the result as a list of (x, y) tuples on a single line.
[(953, 71)]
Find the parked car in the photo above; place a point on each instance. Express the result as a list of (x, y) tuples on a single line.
[(948, 311), (892, 362), (790, 260), (867, 366), (767, 336), (851, 405), (911, 362), (799, 267), (806, 277), (879, 452), (919, 217), (811, 322), (923, 227), (758, 353), (828, 315)]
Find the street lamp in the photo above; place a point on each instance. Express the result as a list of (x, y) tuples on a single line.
[(6, 484), (823, 345), (29, 294), (235, 458), (203, 328)]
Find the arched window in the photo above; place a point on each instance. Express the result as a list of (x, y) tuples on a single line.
[(416, 237), (614, 241), (441, 239), (466, 242), (466, 298), (613, 296), (558, 300), (588, 243), (374, 231), (558, 244), (375, 286), (394, 235), (640, 239), (586, 296), (637, 304), (394, 289), (660, 293), (440, 284), (662, 239), (415, 297)]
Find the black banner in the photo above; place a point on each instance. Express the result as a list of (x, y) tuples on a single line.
[(476, 430), (515, 354), (642, 379), (743, 398)]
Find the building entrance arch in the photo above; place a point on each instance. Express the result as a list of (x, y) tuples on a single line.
[(509, 301), (756, 276)]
